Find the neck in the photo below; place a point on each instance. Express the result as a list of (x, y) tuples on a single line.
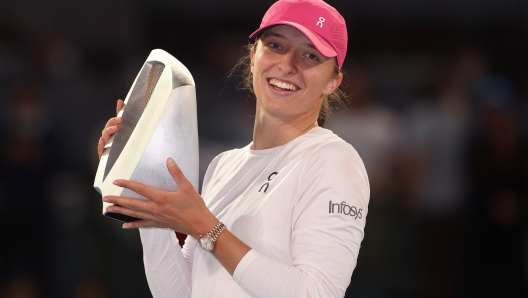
[(271, 132)]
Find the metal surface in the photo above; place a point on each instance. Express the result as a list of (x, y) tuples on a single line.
[(141, 93)]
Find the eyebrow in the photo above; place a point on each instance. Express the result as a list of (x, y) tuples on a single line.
[(271, 33)]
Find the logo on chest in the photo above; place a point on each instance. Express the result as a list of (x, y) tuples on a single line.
[(265, 186)]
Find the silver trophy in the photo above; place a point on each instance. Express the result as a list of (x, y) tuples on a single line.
[(159, 121)]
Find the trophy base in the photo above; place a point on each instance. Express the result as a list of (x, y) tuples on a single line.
[(120, 217)]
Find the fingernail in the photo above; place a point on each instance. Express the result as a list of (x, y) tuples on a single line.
[(171, 162), (109, 209), (101, 141), (105, 199), (116, 182), (126, 226)]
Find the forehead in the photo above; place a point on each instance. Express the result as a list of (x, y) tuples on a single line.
[(287, 33)]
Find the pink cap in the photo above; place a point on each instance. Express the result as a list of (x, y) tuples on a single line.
[(318, 21)]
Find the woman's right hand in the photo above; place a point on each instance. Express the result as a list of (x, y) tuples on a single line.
[(111, 127)]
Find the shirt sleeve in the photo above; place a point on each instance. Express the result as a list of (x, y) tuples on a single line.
[(328, 224), (168, 267), (167, 270)]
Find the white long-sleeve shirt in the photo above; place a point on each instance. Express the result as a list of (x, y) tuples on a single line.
[(301, 207)]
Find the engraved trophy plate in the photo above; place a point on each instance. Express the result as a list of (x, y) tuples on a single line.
[(159, 121)]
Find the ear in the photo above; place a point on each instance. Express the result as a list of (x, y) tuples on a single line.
[(252, 58), (333, 84)]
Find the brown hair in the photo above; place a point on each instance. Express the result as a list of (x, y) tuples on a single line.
[(338, 97)]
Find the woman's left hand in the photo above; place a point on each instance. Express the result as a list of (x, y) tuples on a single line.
[(183, 211)]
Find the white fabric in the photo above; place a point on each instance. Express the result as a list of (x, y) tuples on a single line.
[(168, 273), (303, 245)]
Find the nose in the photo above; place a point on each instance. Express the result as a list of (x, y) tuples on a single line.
[(288, 63)]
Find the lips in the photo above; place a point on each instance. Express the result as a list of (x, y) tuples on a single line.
[(283, 86)]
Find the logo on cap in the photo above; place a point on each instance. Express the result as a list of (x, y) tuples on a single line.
[(320, 23)]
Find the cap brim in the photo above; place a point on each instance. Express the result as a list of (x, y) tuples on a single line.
[(321, 45)]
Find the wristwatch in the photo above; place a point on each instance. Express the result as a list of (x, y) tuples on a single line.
[(208, 240)]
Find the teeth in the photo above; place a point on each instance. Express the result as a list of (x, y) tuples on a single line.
[(282, 85)]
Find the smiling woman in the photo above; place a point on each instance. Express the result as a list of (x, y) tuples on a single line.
[(265, 223), (290, 77), (336, 97)]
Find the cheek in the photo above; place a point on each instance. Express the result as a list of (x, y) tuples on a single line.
[(328, 84), (258, 69), (319, 86), (257, 83)]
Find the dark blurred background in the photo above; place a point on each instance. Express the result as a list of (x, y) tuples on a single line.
[(437, 112)]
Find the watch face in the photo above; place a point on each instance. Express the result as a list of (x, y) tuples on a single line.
[(206, 243)]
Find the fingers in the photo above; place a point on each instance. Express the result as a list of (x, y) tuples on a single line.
[(177, 174), (140, 188), (131, 207), (129, 212), (111, 127), (100, 147), (144, 223), (116, 121), (107, 133), (119, 105)]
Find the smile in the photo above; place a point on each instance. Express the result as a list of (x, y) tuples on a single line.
[(283, 86)]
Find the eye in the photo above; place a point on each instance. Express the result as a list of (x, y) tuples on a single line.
[(311, 56), (274, 45)]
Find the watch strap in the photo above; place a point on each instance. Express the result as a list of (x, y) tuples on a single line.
[(215, 232)]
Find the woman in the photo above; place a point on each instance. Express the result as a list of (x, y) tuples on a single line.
[(294, 200)]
